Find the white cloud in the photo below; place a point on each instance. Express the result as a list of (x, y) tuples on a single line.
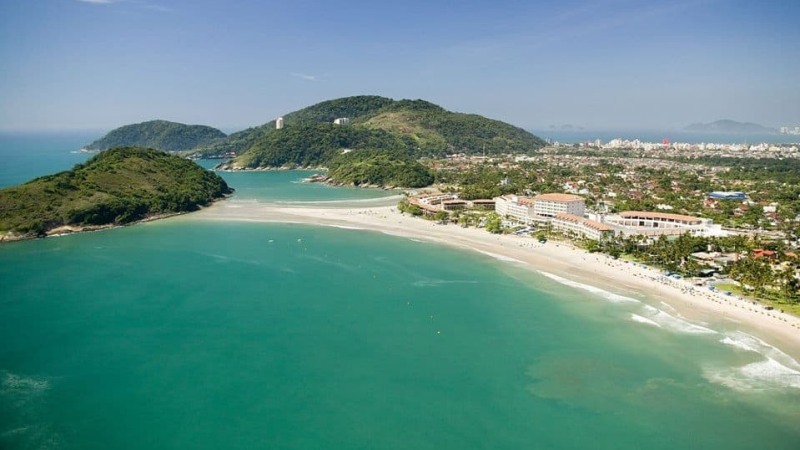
[(303, 76)]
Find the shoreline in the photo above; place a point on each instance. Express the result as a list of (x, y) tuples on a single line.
[(66, 229), (553, 258)]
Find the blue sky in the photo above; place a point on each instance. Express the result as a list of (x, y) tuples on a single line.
[(605, 64)]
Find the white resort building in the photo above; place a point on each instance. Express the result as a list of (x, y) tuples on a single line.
[(518, 209), (565, 213), (646, 223), (577, 226), (548, 205), (541, 208)]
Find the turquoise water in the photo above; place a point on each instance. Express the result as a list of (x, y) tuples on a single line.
[(184, 333), (26, 156), (188, 334), (287, 186)]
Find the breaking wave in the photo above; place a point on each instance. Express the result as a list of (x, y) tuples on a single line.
[(610, 296)]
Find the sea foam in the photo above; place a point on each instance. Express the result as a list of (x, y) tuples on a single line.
[(610, 296), (776, 370), (747, 342), (502, 257), (644, 320)]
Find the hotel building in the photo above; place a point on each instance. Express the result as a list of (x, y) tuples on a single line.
[(580, 227), (548, 205), (647, 223)]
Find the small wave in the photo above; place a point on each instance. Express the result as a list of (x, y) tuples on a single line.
[(747, 342), (673, 323), (502, 257), (644, 320), (667, 306), (610, 296), (347, 227), (767, 374)]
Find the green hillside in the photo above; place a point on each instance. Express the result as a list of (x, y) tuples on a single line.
[(378, 168), (408, 128), (160, 135), (117, 186)]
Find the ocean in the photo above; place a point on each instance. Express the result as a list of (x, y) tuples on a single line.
[(185, 333), (577, 136)]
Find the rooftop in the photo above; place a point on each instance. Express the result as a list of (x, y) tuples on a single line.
[(586, 222), (555, 197), (659, 215)]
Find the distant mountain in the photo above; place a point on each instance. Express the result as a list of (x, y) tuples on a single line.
[(160, 135), (730, 126), (412, 128), (117, 186)]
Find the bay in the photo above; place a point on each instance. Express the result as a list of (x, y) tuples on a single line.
[(185, 333)]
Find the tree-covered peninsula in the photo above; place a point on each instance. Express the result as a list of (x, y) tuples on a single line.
[(115, 187), (160, 135), (378, 168)]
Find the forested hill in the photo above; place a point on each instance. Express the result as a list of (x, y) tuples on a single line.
[(414, 128), (160, 135), (117, 186)]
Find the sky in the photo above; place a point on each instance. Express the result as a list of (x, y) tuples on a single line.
[(600, 64)]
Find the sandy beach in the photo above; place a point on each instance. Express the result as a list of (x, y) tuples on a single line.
[(696, 304)]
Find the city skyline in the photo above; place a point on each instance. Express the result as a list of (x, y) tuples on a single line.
[(100, 64)]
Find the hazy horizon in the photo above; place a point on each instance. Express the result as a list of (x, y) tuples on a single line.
[(604, 65)]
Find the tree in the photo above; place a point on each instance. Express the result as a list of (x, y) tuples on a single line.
[(494, 223), (753, 272)]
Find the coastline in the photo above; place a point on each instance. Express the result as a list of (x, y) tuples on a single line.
[(557, 261), (63, 230)]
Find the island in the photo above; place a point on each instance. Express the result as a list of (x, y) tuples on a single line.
[(160, 135), (116, 187), (730, 126)]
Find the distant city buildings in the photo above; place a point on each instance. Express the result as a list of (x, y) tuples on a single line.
[(791, 130), (279, 123)]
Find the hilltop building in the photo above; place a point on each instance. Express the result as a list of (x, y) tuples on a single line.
[(342, 121), (279, 123)]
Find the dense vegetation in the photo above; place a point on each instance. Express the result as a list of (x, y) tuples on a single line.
[(437, 132), (414, 127), (117, 186), (379, 168), (328, 111), (316, 144), (160, 135)]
